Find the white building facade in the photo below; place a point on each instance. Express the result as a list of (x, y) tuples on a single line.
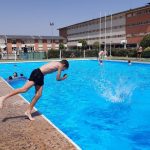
[(110, 29)]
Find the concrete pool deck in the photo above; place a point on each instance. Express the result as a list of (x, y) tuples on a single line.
[(18, 133)]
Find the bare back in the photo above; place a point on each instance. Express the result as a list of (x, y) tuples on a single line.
[(50, 67)]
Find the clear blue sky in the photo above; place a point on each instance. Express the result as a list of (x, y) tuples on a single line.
[(32, 17)]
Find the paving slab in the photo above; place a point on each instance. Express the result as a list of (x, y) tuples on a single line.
[(19, 133)]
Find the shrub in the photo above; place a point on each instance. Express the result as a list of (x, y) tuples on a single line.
[(64, 54), (132, 52), (94, 53), (146, 53), (147, 49), (119, 52), (91, 53), (145, 41), (53, 54)]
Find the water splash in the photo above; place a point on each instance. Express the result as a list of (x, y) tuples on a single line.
[(115, 92)]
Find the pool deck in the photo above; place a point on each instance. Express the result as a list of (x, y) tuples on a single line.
[(18, 133)]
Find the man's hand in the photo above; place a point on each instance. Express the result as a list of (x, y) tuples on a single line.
[(65, 76)]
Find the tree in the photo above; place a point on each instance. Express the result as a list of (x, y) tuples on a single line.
[(61, 46), (96, 45), (84, 43), (145, 41)]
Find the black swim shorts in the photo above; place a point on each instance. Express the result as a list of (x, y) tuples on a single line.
[(139, 52), (37, 77)]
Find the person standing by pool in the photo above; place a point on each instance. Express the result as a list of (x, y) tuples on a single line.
[(139, 52), (25, 50), (37, 79)]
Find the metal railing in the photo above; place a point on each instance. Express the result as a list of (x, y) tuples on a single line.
[(24, 56)]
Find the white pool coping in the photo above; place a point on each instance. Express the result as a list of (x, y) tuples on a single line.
[(62, 133)]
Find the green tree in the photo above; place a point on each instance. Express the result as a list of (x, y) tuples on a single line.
[(145, 41), (96, 45), (61, 46), (84, 43)]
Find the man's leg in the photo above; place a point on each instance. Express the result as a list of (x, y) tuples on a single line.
[(34, 100), (23, 89), (140, 56)]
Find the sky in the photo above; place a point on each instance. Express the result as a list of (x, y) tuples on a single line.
[(33, 17)]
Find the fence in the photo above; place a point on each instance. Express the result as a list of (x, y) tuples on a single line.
[(24, 56), (51, 54), (72, 54)]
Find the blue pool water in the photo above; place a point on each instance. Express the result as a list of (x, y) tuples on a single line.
[(100, 107)]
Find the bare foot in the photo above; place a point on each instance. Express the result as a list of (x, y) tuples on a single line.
[(29, 116), (1, 101)]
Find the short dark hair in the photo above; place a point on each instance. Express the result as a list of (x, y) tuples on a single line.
[(15, 74), (10, 78), (66, 63), (21, 75)]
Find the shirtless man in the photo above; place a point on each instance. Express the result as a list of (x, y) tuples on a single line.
[(139, 52), (37, 79)]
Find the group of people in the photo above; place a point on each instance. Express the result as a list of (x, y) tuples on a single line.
[(14, 76), (37, 79), (102, 54)]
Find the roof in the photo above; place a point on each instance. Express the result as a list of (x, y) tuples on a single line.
[(31, 37), (127, 11)]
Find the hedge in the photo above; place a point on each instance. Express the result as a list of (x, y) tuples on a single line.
[(146, 53), (94, 53)]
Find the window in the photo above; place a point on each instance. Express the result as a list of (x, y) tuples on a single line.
[(129, 15), (13, 41)]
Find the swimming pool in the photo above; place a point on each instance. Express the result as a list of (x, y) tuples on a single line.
[(100, 107)]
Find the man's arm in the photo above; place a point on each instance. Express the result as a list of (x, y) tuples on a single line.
[(58, 77)]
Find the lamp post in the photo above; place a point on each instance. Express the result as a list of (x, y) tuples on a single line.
[(6, 45), (100, 32), (110, 33), (110, 48), (51, 25), (60, 54), (105, 35), (88, 37)]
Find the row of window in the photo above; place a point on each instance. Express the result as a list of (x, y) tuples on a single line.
[(136, 34), (139, 23), (97, 21), (108, 18), (142, 12), (97, 38), (98, 30), (30, 42)]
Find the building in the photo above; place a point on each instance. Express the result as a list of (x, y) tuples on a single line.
[(137, 24), (37, 43), (115, 30)]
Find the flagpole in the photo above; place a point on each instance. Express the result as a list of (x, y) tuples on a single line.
[(110, 33), (51, 25), (105, 35), (100, 33)]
